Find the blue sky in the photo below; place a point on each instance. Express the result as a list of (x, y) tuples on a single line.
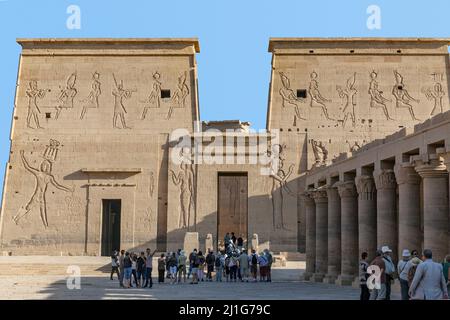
[(234, 65)]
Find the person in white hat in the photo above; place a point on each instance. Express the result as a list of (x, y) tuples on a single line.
[(402, 269), (390, 269)]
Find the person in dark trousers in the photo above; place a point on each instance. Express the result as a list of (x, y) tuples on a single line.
[(210, 260), (114, 265), (161, 268), (233, 238), (140, 269), (363, 276), (121, 267), (192, 257), (149, 268)]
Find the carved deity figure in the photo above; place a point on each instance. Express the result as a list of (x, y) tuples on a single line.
[(65, 99), (402, 97), (317, 100), (289, 97), (119, 94), (279, 188), (355, 147), (437, 94), (320, 153), (185, 181), (179, 97), (376, 96), (34, 93), (92, 100), (154, 99), (152, 184), (348, 96), (43, 176)]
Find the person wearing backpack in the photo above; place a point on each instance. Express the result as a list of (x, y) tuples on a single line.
[(254, 265), (219, 267), (201, 266), (402, 269), (243, 265), (446, 270), (412, 269), (232, 264), (269, 265), (210, 260), (390, 270), (182, 266)]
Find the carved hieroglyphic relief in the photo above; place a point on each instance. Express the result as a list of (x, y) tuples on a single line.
[(179, 97), (65, 99), (279, 187), (317, 100), (355, 147), (348, 96), (119, 94), (74, 208), (402, 96), (185, 182), (320, 153), (376, 96), (436, 93), (33, 92), (43, 176), (151, 188), (154, 99), (289, 97), (92, 100)]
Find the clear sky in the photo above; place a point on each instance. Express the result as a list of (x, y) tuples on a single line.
[(234, 65)]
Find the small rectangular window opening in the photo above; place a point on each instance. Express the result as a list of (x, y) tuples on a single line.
[(165, 93), (301, 93)]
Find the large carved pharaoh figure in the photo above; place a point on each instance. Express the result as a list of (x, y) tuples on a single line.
[(185, 182), (279, 185)]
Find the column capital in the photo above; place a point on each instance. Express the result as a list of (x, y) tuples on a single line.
[(320, 195), (365, 186), (405, 173), (433, 168), (307, 197), (385, 179), (346, 189), (445, 155), (332, 193)]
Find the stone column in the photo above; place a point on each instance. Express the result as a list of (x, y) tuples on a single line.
[(387, 210), (409, 233), (349, 232), (334, 235), (435, 205), (321, 201), (446, 156), (367, 215), (310, 209)]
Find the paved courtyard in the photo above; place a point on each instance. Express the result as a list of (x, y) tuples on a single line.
[(286, 285)]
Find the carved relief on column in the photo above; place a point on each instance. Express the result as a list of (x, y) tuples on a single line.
[(410, 234), (346, 189), (319, 196), (435, 204), (365, 186), (385, 179)]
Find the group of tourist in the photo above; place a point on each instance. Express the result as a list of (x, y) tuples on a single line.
[(231, 264), (420, 278)]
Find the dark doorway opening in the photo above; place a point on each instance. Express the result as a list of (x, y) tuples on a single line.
[(232, 207), (111, 226)]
